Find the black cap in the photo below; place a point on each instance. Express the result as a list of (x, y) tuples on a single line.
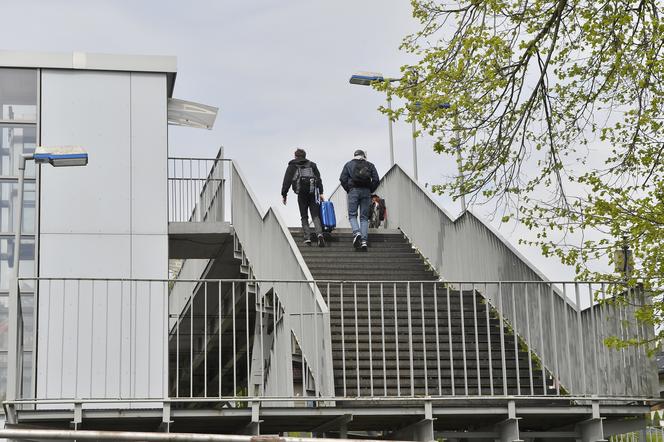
[(360, 152)]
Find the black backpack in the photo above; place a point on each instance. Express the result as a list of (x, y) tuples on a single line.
[(304, 177), (361, 174)]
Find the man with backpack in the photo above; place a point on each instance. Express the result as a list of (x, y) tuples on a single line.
[(304, 178), (360, 179)]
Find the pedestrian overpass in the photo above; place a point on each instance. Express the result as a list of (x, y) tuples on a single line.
[(442, 330)]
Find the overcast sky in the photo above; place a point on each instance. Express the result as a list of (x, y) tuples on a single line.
[(278, 71)]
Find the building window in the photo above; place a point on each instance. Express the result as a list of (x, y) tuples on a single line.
[(18, 95), (16, 139), (19, 90), (8, 199)]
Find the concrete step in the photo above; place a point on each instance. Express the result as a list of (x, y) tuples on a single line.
[(377, 267), (348, 231), (348, 337), (347, 246), (433, 389), (432, 358), (418, 373)]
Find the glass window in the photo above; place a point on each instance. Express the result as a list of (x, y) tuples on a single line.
[(15, 140), (8, 196), (18, 95), (27, 256)]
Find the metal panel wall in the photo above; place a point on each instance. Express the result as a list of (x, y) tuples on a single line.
[(107, 220), (272, 254)]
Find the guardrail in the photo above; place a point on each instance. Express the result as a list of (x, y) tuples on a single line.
[(197, 188), (467, 248), (396, 340)]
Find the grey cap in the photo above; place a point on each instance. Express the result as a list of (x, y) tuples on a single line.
[(360, 152)]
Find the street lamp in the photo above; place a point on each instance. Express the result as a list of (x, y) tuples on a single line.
[(367, 79), (57, 157)]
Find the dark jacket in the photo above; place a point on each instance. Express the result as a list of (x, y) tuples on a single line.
[(290, 172), (347, 174)]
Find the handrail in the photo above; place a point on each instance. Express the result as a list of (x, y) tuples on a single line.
[(222, 354)]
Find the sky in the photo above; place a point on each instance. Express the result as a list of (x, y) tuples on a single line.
[(278, 71)]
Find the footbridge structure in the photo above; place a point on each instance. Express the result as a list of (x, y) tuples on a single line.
[(441, 330)]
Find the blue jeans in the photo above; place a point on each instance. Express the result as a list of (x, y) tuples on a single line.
[(359, 197)]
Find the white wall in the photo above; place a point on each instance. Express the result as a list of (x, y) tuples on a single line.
[(106, 220)]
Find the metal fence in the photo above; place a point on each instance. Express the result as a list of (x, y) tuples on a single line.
[(649, 434), (237, 339), (196, 189)]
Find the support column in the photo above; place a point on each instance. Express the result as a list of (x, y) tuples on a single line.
[(165, 425), (78, 416), (592, 429), (419, 431), (508, 430), (254, 427)]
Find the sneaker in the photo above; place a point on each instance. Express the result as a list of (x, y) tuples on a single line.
[(364, 246), (307, 241), (357, 240), (321, 240)]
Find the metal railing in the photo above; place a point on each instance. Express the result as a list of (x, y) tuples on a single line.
[(114, 339), (196, 189), (649, 434), (266, 247), (467, 248)]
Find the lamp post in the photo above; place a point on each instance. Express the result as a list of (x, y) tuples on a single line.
[(57, 157), (445, 105), (367, 79)]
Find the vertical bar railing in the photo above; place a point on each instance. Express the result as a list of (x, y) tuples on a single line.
[(196, 188), (225, 342)]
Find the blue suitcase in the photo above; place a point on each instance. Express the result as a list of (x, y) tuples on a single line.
[(327, 217)]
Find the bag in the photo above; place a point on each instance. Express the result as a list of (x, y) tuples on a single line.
[(304, 178), (361, 174), (327, 216), (374, 215), (382, 210)]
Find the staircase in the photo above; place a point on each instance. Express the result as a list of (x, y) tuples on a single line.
[(394, 338)]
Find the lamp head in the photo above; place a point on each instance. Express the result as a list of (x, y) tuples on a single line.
[(64, 156), (366, 78)]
